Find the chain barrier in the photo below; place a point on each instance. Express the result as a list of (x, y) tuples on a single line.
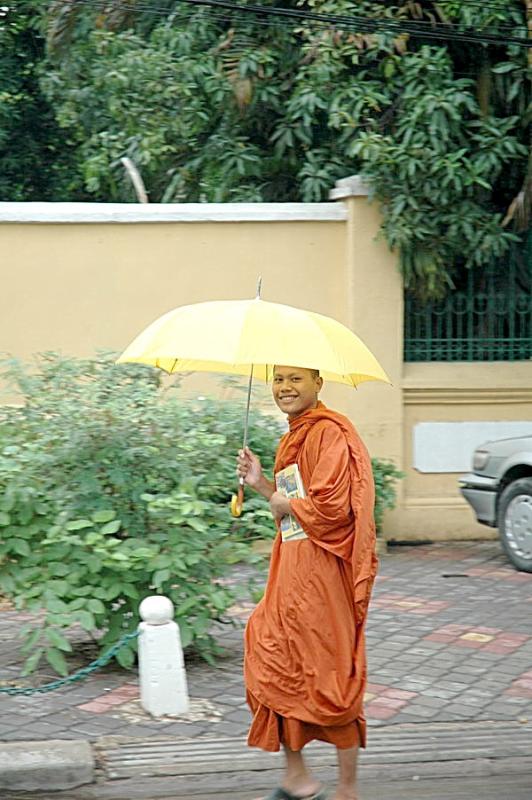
[(80, 675)]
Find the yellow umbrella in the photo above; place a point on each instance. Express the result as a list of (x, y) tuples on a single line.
[(249, 337)]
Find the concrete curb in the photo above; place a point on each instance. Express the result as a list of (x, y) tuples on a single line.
[(52, 765), (412, 751), (116, 764)]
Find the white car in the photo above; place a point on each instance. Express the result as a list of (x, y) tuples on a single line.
[(500, 492)]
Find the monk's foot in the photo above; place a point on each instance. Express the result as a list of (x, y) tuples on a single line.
[(311, 791), (302, 788), (345, 794)]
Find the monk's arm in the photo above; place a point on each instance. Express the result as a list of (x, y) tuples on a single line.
[(249, 469), (265, 487), (327, 506)]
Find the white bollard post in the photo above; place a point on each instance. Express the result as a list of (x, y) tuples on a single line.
[(163, 681)]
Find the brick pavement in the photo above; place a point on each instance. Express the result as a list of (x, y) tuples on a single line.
[(449, 638)]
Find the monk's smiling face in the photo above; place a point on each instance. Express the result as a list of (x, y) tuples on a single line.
[(295, 389)]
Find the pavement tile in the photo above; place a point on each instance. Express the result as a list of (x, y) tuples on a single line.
[(230, 700), (45, 730), (453, 629), (94, 707), (519, 692), (432, 702), (526, 683), (376, 687), (23, 735), (399, 694), (458, 710), (415, 685), (473, 700), (375, 711), (419, 711), (239, 715), (433, 645), (5, 729), (228, 728), (506, 709), (388, 702), (512, 699)]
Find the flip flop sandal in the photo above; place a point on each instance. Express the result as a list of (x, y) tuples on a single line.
[(283, 794)]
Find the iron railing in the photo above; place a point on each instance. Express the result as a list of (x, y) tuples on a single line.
[(488, 319)]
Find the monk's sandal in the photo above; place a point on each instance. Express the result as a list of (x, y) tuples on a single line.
[(283, 794)]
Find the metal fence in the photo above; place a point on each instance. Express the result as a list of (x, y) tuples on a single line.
[(488, 319)]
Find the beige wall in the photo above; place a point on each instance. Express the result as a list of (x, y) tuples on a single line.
[(454, 392), (77, 287), (76, 278)]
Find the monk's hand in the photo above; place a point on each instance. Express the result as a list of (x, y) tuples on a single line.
[(279, 506), (249, 467)]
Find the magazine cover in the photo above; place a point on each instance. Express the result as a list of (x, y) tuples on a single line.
[(288, 482)]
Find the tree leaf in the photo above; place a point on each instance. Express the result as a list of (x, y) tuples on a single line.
[(507, 66), (103, 515), (112, 527), (96, 606), (125, 657), (57, 661), (32, 640), (55, 605), (21, 547), (78, 524), (58, 640), (31, 663), (160, 577), (85, 619)]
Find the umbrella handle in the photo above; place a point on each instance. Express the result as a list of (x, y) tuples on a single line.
[(237, 500)]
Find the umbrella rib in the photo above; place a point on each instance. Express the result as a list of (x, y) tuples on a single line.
[(323, 336)]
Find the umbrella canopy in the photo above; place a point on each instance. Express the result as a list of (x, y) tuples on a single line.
[(233, 336)]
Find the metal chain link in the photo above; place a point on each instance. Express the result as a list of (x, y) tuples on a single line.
[(80, 675)]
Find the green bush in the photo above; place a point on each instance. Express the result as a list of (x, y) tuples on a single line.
[(112, 489), (385, 474)]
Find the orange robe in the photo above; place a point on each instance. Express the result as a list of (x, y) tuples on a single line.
[(305, 664)]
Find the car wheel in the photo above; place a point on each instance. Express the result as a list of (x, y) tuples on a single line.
[(515, 523)]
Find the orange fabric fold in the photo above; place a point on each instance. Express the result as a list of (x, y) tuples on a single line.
[(305, 662), (269, 729)]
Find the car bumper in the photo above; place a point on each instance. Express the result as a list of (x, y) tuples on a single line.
[(481, 494)]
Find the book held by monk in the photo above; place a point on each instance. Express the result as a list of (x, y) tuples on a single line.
[(288, 481)]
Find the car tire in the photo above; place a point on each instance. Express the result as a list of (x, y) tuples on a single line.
[(515, 523)]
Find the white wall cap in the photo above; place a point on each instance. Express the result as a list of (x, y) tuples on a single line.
[(156, 610), (170, 212), (352, 186)]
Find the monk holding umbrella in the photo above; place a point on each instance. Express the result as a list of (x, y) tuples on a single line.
[(305, 666)]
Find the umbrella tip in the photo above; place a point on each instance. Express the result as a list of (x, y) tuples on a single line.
[(259, 287)]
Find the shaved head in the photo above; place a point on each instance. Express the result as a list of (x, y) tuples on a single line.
[(296, 389)]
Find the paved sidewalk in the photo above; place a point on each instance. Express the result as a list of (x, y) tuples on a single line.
[(449, 639)]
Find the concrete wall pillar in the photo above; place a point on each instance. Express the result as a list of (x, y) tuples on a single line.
[(374, 310)]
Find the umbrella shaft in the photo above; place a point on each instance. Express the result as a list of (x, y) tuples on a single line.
[(246, 423)]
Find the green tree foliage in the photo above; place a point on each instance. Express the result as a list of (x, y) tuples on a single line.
[(35, 158), (221, 106), (385, 475)]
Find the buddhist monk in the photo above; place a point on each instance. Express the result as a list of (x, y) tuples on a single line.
[(305, 665)]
